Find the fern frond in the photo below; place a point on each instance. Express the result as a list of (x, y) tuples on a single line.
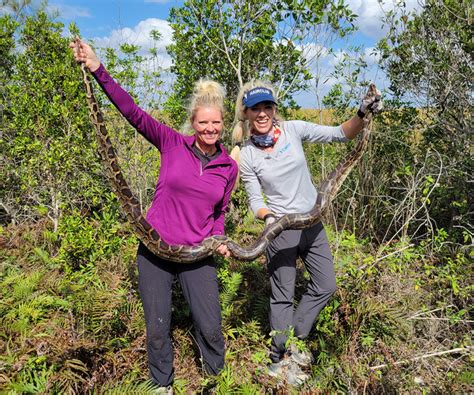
[(260, 307), (139, 388), (42, 256), (230, 289), (25, 285)]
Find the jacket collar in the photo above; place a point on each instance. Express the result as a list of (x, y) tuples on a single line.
[(223, 159)]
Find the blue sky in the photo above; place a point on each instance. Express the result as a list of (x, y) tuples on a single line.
[(100, 17), (110, 22)]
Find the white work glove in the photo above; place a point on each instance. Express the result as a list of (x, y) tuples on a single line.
[(269, 219), (372, 102)]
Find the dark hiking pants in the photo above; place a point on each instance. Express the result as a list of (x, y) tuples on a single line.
[(199, 284)]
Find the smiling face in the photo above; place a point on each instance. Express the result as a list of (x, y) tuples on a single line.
[(261, 116), (207, 124)]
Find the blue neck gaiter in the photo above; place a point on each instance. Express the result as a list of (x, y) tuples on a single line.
[(263, 140)]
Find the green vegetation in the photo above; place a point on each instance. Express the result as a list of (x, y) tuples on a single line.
[(400, 229), (233, 42)]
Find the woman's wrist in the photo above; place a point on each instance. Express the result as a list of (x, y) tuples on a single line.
[(94, 66)]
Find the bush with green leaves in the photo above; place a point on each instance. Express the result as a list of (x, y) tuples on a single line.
[(428, 57), (50, 160)]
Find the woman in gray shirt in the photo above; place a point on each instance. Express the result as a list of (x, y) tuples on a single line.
[(272, 161)]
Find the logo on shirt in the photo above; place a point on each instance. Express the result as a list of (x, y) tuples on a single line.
[(284, 149)]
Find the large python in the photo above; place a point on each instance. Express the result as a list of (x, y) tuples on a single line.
[(188, 254)]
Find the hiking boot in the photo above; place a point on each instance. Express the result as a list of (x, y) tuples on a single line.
[(278, 369), (164, 390), (294, 375), (302, 358), (287, 370)]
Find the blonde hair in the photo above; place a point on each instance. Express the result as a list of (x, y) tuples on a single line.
[(241, 128), (206, 93)]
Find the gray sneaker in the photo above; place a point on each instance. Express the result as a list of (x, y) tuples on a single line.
[(294, 375), (164, 390), (302, 358), (287, 370), (278, 369)]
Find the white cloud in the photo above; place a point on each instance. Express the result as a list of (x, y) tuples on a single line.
[(324, 79), (140, 35), (372, 56), (370, 15), (371, 12), (314, 52), (320, 58), (64, 11), (337, 58), (68, 11)]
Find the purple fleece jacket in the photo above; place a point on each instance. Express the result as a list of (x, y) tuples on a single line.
[(190, 199)]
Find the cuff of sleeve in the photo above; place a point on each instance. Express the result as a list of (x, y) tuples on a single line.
[(99, 71), (343, 138), (268, 215)]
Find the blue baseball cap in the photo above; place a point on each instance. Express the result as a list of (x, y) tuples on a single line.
[(257, 95)]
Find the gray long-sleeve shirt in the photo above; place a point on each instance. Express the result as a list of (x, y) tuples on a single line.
[(283, 175)]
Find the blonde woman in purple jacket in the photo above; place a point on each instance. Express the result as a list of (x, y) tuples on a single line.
[(194, 187)]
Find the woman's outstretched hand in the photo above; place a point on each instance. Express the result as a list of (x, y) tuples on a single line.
[(83, 53), (372, 102)]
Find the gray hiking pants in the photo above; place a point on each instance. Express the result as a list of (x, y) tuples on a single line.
[(313, 248), (200, 288)]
